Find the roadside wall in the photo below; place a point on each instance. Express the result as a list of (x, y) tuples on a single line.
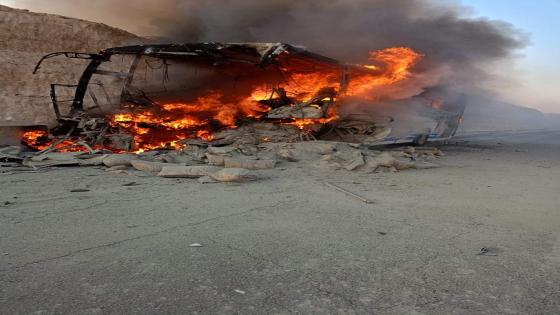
[(24, 38)]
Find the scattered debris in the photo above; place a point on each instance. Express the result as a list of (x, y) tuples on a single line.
[(233, 175), (118, 159), (117, 168), (149, 167), (409, 150), (10, 154), (385, 159), (79, 190), (349, 193), (236, 162), (403, 165), (216, 137), (187, 171), (216, 160), (249, 164), (287, 155), (347, 158), (95, 160), (207, 180), (488, 251), (48, 163), (195, 245), (239, 291), (221, 150), (426, 165)]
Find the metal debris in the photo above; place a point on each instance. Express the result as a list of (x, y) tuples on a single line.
[(349, 193), (488, 251)]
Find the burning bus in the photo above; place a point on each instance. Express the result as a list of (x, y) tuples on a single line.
[(150, 97)]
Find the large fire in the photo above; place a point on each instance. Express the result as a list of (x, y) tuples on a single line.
[(166, 124)]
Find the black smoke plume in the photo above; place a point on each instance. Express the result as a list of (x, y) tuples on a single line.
[(461, 48)]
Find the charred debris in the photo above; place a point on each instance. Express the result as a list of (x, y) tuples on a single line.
[(220, 111)]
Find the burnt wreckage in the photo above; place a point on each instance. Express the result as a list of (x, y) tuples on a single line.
[(192, 90)]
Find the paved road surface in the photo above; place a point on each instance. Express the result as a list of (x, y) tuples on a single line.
[(528, 137), (289, 244)]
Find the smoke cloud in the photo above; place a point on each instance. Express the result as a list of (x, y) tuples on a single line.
[(459, 50), (348, 29), (343, 28)]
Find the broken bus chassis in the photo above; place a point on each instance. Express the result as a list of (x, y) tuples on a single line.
[(92, 126)]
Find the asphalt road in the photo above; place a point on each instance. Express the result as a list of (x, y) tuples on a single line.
[(526, 137), (289, 244)]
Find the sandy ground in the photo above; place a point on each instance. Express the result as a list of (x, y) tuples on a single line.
[(290, 244)]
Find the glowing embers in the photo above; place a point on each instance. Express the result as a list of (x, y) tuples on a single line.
[(40, 141), (299, 90), (306, 97), (37, 139), (305, 123), (165, 125)]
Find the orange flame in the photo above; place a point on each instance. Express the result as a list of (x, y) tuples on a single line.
[(39, 140), (168, 124), (35, 139), (398, 62), (304, 123), (165, 125)]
